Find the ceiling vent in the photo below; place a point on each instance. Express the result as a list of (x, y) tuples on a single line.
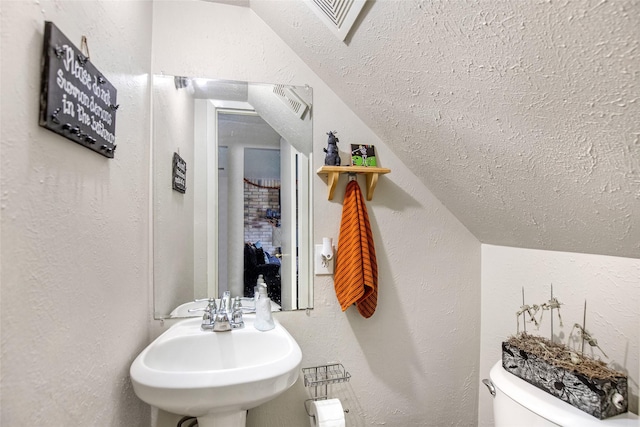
[(338, 15), (291, 100)]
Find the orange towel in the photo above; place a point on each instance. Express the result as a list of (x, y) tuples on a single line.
[(356, 276)]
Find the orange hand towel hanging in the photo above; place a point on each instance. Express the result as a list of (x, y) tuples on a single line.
[(356, 275)]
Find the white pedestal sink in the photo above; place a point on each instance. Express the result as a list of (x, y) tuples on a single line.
[(216, 376)]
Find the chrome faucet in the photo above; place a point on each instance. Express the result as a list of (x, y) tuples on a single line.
[(217, 319), (221, 322)]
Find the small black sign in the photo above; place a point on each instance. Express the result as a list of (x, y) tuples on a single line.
[(76, 100), (179, 178)]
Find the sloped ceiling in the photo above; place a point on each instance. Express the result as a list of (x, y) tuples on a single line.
[(522, 117)]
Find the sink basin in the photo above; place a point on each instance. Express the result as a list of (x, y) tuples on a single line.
[(216, 376)]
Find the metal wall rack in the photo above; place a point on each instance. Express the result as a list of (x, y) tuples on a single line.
[(318, 379)]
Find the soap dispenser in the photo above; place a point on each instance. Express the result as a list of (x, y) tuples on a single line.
[(264, 319)]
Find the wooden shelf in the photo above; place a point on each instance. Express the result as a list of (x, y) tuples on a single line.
[(333, 174)]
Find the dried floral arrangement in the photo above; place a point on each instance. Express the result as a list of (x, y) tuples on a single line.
[(559, 355)]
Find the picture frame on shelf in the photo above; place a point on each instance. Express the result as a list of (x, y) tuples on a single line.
[(363, 155)]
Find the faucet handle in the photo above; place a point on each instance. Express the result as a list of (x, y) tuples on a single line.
[(236, 316), (208, 318)]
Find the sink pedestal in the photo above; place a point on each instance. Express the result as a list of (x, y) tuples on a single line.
[(234, 419)]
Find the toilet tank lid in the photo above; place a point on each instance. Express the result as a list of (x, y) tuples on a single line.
[(550, 407)]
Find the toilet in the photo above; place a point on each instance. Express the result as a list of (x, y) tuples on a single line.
[(517, 403)]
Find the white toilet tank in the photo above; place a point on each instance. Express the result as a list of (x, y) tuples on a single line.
[(519, 404)]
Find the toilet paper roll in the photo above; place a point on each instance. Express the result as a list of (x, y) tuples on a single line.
[(327, 248), (327, 413)]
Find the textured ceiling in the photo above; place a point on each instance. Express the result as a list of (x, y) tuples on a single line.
[(522, 117)]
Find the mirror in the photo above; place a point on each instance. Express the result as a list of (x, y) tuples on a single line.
[(231, 178)]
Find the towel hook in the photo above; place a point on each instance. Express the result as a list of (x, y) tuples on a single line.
[(352, 176)]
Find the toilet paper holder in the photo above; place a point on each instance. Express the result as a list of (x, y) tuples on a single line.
[(318, 378), (306, 407)]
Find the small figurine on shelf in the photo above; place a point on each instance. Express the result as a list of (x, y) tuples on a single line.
[(332, 157)]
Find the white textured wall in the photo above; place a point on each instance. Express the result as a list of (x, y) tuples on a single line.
[(75, 293), (608, 284), (415, 362)]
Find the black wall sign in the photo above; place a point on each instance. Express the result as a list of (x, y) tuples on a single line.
[(179, 178), (76, 100)]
